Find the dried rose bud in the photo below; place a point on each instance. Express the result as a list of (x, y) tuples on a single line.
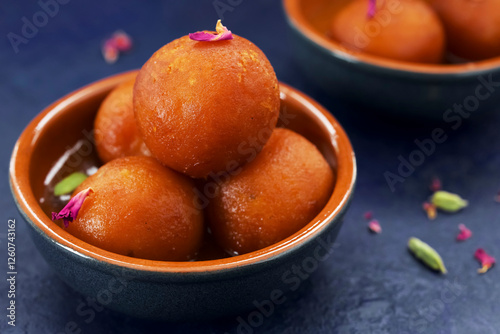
[(435, 184), (464, 234), (487, 261), (118, 42), (430, 209), (372, 6), (368, 215), (122, 41), (222, 33), (70, 211), (374, 226), (110, 51)]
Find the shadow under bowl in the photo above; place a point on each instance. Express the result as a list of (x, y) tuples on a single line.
[(433, 92), (161, 290)]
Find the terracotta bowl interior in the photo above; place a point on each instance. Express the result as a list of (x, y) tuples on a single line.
[(313, 17), (64, 123)]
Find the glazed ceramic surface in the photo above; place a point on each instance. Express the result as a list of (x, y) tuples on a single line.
[(403, 89), (175, 291)]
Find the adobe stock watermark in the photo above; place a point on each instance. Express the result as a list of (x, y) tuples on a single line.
[(223, 6), (292, 278), (453, 116), (423, 317), (11, 272), (31, 25), (87, 309)]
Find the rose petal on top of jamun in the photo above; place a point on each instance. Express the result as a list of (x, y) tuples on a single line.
[(205, 108), (372, 7), (204, 36)]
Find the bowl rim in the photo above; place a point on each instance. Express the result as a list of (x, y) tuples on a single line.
[(33, 213), (299, 23)]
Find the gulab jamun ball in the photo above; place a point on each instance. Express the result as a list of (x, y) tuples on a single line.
[(115, 131), (141, 209), (197, 104), (472, 27), (273, 196), (406, 30)]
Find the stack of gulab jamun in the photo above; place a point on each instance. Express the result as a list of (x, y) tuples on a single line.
[(420, 31), (189, 119)]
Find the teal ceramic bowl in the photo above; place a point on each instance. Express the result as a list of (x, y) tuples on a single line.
[(441, 92), (174, 291)]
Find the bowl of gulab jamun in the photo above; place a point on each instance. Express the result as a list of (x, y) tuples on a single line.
[(190, 189), (436, 60)]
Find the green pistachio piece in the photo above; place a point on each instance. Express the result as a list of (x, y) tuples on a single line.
[(69, 183), (447, 201), (426, 254)]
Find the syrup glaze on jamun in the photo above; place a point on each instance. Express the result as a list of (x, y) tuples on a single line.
[(273, 196), (197, 103), (139, 208), (472, 27), (406, 30), (115, 131)]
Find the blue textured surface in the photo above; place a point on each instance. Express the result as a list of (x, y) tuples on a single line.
[(369, 285)]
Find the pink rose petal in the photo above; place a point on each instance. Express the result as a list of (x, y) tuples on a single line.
[(110, 51), (487, 261), (435, 184), (464, 234), (222, 33), (368, 215), (372, 5), (430, 209), (374, 226), (122, 41), (70, 211), (118, 42)]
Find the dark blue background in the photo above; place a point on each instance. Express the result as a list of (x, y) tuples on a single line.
[(371, 284)]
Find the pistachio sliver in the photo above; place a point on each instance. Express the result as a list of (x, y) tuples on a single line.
[(426, 254), (69, 183), (447, 201)]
